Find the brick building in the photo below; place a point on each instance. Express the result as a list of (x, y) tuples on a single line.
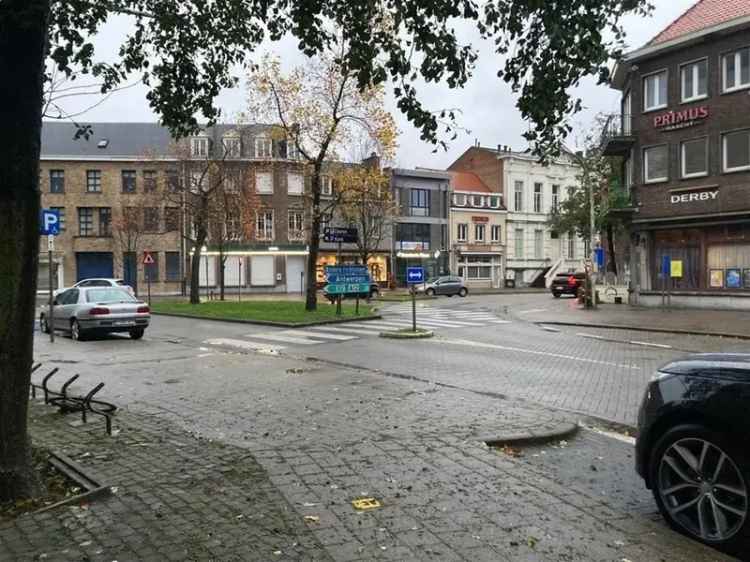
[(126, 167), (684, 132)]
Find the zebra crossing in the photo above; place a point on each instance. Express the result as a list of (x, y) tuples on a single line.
[(393, 318)]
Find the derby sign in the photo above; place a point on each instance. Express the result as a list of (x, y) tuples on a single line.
[(690, 197)]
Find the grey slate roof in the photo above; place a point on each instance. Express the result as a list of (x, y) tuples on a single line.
[(125, 140)]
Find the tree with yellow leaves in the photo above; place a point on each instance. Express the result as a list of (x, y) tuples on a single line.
[(320, 108)]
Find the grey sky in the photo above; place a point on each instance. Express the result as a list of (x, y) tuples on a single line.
[(487, 105)]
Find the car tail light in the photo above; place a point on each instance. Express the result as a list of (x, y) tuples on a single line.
[(143, 309), (98, 310), (572, 281)]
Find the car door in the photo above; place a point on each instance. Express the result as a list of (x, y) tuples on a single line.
[(450, 287), (66, 308), (440, 287)]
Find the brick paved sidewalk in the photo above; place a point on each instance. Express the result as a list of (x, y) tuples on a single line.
[(177, 498), (695, 321)]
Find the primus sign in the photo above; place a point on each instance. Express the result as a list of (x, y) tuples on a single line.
[(690, 197), (680, 119)]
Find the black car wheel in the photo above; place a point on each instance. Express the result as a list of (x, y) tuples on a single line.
[(137, 333), (430, 292), (700, 485), (75, 331), (43, 326), (463, 291), (556, 294)]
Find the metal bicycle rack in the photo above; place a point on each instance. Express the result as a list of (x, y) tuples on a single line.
[(67, 403)]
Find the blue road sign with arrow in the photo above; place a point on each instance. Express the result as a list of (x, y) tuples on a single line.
[(415, 274)]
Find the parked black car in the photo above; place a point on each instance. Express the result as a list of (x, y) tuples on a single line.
[(567, 284), (693, 449)]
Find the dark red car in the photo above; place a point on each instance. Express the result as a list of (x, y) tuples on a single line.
[(567, 284)]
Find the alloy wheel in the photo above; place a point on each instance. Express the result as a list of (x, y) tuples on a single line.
[(43, 324), (75, 330), (702, 489)]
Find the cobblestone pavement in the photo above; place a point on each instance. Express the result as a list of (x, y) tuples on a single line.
[(323, 435)]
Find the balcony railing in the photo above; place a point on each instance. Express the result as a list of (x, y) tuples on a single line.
[(618, 135)]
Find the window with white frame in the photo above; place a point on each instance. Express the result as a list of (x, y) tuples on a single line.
[(295, 184), (292, 152), (326, 185), (199, 146), (538, 244), (264, 182), (735, 70), (296, 231), (459, 199), (496, 233), (538, 197), (264, 225), (479, 232), (629, 173), (555, 198), (518, 243), (655, 165), (736, 151), (232, 145), (476, 201), (495, 201), (694, 158), (655, 91), (694, 80), (462, 232), (518, 196), (263, 147)]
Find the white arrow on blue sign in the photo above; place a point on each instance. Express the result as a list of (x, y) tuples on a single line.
[(49, 222), (415, 274)]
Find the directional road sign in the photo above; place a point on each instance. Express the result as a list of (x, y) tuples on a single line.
[(347, 288), (348, 278), (415, 274), (49, 222), (335, 234)]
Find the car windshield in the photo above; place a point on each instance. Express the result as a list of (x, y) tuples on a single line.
[(108, 295), (120, 282), (434, 280)]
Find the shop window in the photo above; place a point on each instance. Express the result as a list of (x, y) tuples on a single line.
[(655, 166), (57, 181), (728, 266), (694, 158), (462, 232), (694, 80), (736, 70), (478, 272), (655, 91), (736, 151)]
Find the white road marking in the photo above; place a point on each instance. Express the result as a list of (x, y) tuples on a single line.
[(611, 434), (501, 321), (533, 310), (244, 344), (447, 323), (592, 336), (649, 344), (550, 329), (387, 325), (282, 337), (317, 333), (362, 331), (531, 352)]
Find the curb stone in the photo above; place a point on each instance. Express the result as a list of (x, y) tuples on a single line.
[(532, 436), (407, 335), (271, 322)]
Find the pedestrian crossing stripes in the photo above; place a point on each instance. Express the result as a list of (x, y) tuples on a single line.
[(395, 318)]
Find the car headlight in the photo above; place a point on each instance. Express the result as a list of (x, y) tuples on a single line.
[(660, 376)]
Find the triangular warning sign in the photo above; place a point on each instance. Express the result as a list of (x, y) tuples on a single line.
[(148, 259)]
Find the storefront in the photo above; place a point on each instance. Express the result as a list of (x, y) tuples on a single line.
[(377, 264), (435, 264), (483, 270)]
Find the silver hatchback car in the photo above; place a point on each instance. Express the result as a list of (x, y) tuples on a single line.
[(84, 311)]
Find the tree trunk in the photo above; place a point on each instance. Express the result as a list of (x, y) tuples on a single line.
[(195, 271), (22, 53), (612, 262), (311, 299)]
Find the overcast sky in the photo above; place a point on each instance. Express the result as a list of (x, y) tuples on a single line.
[(487, 104)]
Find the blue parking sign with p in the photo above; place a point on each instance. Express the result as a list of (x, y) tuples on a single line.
[(49, 222)]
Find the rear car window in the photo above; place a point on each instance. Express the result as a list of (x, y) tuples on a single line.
[(120, 282), (108, 295)]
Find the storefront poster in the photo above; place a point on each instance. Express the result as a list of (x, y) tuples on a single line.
[(734, 278), (716, 278), (676, 268)]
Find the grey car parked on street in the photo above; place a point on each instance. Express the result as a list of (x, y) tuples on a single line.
[(84, 311), (447, 285)]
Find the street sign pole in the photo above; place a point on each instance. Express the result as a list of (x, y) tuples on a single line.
[(239, 279), (51, 312), (148, 284), (413, 308)]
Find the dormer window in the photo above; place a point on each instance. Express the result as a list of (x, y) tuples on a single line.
[(232, 145), (263, 147), (199, 147), (459, 199), (494, 201), (476, 201)]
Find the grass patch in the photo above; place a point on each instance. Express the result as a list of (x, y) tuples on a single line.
[(288, 312)]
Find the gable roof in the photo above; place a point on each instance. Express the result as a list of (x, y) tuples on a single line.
[(701, 15), (468, 181)]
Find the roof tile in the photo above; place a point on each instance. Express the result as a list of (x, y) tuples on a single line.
[(703, 14)]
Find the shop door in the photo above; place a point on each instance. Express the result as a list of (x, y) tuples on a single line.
[(93, 264), (295, 270)]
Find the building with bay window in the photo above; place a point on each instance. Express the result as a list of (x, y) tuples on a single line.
[(477, 232), (684, 134)]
